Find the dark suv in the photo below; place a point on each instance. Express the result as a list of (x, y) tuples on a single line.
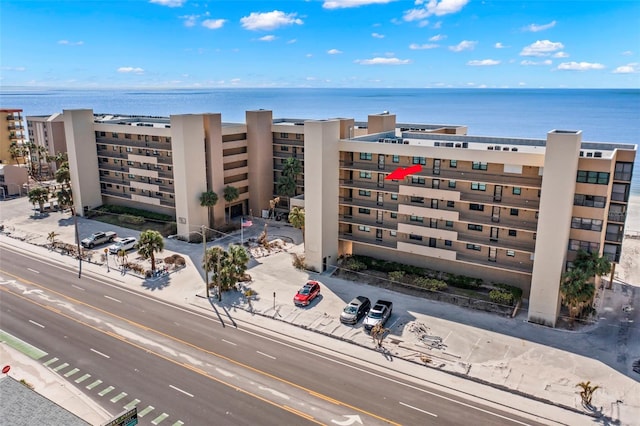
[(355, 310)]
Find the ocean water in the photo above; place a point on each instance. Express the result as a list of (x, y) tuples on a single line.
[(603, 115)]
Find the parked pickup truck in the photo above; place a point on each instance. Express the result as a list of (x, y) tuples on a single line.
[(98, 238), (379, 314)]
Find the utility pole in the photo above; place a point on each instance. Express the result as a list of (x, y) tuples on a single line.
[(218, 281), (75, 224), (204, 259)]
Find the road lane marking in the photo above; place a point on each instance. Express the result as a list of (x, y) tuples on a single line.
[(22, 346), (71, 372), (100, 353), (180, 390), (132, 404), (118, 397), (61, 366), (159, 419), (105, 391), (51, 361), (79, 288), (178, 423), (146, 411), (231, 343), (299, 413), (36, 323), (267, 355), (418, 409), (82, 379), (112, 298), (33, 270), (94, 384)]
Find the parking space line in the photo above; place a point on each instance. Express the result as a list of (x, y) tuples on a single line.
[(61, 366), (178, 423), (83, 378), (94, 384), (51, 361), (159, 419), (146, 411), (71, 372), (118, 397), (105, 391), (132, 404)]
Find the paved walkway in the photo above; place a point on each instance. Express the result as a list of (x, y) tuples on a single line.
[(512, 354)]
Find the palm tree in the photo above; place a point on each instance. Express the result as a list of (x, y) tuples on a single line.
[(238, 260), (231, 193), (587, 392), (63, 175), (286, 184), (39, 196), (209, 199), (51, 237), (213, 261), (576, 291), (16, 152), (150, 243), (60, 157), (296, 218), (592, 263)]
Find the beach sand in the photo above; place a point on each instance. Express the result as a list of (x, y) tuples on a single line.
[(628, 270)]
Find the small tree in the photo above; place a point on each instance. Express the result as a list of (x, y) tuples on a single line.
[(150, 243), (296, 217), (209, 199), (231, 193), (39, 196), (378, 333), (587, 392), (51, 237)]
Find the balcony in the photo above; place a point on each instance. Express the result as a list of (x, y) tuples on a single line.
[(505, 221), (115, 193), (359, 202), (614, 237), (427, 232), (484, 198), (432, 193), (618, 217), (357, 238), (15, 126), (509, 265), (367, 221), (623, 176), (134, 143), (422, 248), (507, 243), (415, 210), (387, 186)]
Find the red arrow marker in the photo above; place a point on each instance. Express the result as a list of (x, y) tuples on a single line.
[(401, 173)]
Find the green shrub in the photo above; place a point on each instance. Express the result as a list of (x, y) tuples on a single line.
[(462, 281), (397, 276), (127, 218), (501, 296), (430, 283), (111, 208), (516, 291), (352, 263)]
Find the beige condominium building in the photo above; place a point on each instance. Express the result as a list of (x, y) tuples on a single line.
[(11, 131), (47, 131), (506, 210)]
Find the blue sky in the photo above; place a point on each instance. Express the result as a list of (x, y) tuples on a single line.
[(320, 43)]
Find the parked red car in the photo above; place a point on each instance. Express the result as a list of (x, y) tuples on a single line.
[(307, 293)]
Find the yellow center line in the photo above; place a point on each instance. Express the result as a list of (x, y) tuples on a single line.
[(208, 352)]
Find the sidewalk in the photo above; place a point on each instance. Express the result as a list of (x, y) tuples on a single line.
[(506, 353)]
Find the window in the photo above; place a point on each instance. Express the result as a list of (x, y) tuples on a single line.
[(364, 211), (394, 215), (414, 218), (417, 200), (364, 193), (515, 212), (415, 237), (473, 247), (168, 139), (511, 253), (513, 233), (623, 171), (474, 227), (366, 156), (129, 149), (453, 163), (588, 224), (452, 184), (393, 233), (132, 176), (394, 196), (103, 134), (419, 160), (433, 223), (432, 242), (364, 228), (516, 190), (451, 204), (598, 178), (114, 135), (476, 207), (447, 243), (365, 175), (589, 200), (476, 186), (591, 247), (284, 148), (476, 165), (449, 224), (298, 136), (155, 138), (417, 180), (396, 159), (284, 135)]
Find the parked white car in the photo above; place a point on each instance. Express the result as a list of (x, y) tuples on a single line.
[(125, 244)]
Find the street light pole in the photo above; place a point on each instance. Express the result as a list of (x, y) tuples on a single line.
[(204, 259)]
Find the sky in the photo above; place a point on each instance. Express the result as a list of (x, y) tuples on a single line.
[(320, 44)]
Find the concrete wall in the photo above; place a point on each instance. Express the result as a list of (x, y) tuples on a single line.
[(83, 159), (215, 163), (554, 224), (321, 194), (378, 123), (260, 149)]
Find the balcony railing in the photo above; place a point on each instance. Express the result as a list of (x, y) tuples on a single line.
[(388, 225), (474, 197), (356, 238), (386, 186), (166, 146), (358, 202), (615, 237), (513, 265), (504, 243), (506, 221), (617, 217)]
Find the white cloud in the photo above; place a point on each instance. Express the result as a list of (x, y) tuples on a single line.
[(463, 45), (190, 20), (499, 45), (383, 61), (627, 53), (309, 55), (71, 43), (483, 63), (434, 7), (130, 70), (534, 28), (437, 37), (631, 68), (334, 52), (269, 20), (213, 24), (560, 55), (527, 62), (541, 48), (579, 66), (169, 3), (269, 37), (343, 4), (376, 35), (13, 68), (292, 41), (415, 46)]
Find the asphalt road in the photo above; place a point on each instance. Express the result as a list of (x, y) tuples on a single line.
[(196, 368)]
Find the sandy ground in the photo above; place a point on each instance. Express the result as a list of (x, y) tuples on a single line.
[(628, 270)]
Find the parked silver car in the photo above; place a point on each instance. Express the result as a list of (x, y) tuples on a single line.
[(355, 310), (125, 244)]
